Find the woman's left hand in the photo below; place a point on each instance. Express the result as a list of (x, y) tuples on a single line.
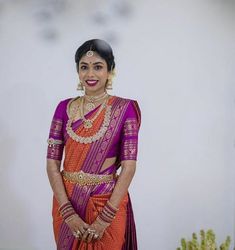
[(94, 232)]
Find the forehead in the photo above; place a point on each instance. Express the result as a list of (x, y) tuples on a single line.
[(93, 59)]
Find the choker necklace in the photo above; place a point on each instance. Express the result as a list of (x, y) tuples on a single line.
[(88, 123), (92, 99)]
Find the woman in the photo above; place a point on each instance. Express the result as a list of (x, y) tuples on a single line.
[(98, 133)]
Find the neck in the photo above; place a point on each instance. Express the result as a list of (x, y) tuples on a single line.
[(97, 94)]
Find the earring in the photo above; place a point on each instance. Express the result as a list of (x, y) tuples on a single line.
[(109, 85), (80, 86)]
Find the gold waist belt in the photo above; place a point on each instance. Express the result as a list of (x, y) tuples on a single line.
[(84, 179)]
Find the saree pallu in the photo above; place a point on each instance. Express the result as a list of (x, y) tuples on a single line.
[(88, 201)]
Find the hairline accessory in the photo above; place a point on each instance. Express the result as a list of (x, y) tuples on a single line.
[(89, 53)]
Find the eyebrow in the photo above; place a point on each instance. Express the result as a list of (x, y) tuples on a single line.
[(93, 63)]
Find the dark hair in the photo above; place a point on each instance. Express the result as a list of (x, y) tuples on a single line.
[(102, 48)]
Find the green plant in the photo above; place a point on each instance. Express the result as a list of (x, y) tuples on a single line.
[(207, 241)]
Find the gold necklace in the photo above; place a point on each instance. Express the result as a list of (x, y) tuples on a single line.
[(88, 123), (89, 139), (92, 99)]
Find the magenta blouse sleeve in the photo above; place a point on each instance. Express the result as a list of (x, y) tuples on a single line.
[(56, 135), (129, 140)]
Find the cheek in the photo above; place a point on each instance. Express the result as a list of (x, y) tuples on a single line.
[(104, 76), (81, 75)]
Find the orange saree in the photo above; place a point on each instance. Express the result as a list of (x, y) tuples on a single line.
[(88, 201)]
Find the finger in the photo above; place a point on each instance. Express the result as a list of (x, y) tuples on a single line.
[(82, 230), (101, 235), (90, 237), (96, 237), (84, 236), (76, 235)]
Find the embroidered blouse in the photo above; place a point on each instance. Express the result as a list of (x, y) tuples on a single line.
[(125, 143)]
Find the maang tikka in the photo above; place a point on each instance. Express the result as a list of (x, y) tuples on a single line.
[(90, 53)]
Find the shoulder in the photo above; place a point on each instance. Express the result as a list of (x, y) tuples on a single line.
[(126, 100), (132, 107), (62, 106)]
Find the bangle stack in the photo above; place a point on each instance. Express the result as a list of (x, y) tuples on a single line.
[(67, 212), (108, 214)]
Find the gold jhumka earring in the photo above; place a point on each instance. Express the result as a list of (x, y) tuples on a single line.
[(109, 85), (80, 86)]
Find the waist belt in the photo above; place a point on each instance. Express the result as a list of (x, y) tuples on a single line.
[(84, 179)]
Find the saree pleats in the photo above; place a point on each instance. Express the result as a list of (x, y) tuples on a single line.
[(114, 236)]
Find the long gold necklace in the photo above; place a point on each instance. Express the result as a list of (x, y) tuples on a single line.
[(92, 99), (88, 123), (89, 139)]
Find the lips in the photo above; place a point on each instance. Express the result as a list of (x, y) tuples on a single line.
[(91, 82)]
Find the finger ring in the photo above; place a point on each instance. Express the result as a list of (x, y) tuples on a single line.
[(77, 234), (90, 230), (96, 236)]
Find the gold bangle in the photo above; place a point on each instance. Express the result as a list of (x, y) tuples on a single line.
[(70, 218), (67, 202), (101, 222), (112, 206)]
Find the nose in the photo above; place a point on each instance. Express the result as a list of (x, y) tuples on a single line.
[(90, 73)]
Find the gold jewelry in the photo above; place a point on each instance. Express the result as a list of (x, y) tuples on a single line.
[(77, 234), (88, 123), (96, 236), (89, 139), (91, 230), (109, 84), (101, 222), (70, 218), (52, 142), (89, 53), (112, 206), (86, 179), (91, 99), (80, 86)]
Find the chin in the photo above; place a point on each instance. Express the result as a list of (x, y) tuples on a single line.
[(94, 89)]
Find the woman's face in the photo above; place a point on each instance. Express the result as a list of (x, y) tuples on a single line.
[(93, 73)]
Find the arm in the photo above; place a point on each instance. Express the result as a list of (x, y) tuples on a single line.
[(54, 157), (56, 182), (57, 185), (123, 183)]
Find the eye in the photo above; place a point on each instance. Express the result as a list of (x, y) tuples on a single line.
[(83, 67), (98, 67)]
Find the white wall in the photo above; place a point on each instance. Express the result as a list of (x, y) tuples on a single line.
[(176, 58)]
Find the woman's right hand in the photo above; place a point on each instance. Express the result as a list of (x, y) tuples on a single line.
[(76, 224)]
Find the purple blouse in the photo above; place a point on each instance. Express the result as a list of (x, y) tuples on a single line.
[(125, 143)]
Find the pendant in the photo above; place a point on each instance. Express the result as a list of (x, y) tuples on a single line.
[(87, 124), (90, 106)]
